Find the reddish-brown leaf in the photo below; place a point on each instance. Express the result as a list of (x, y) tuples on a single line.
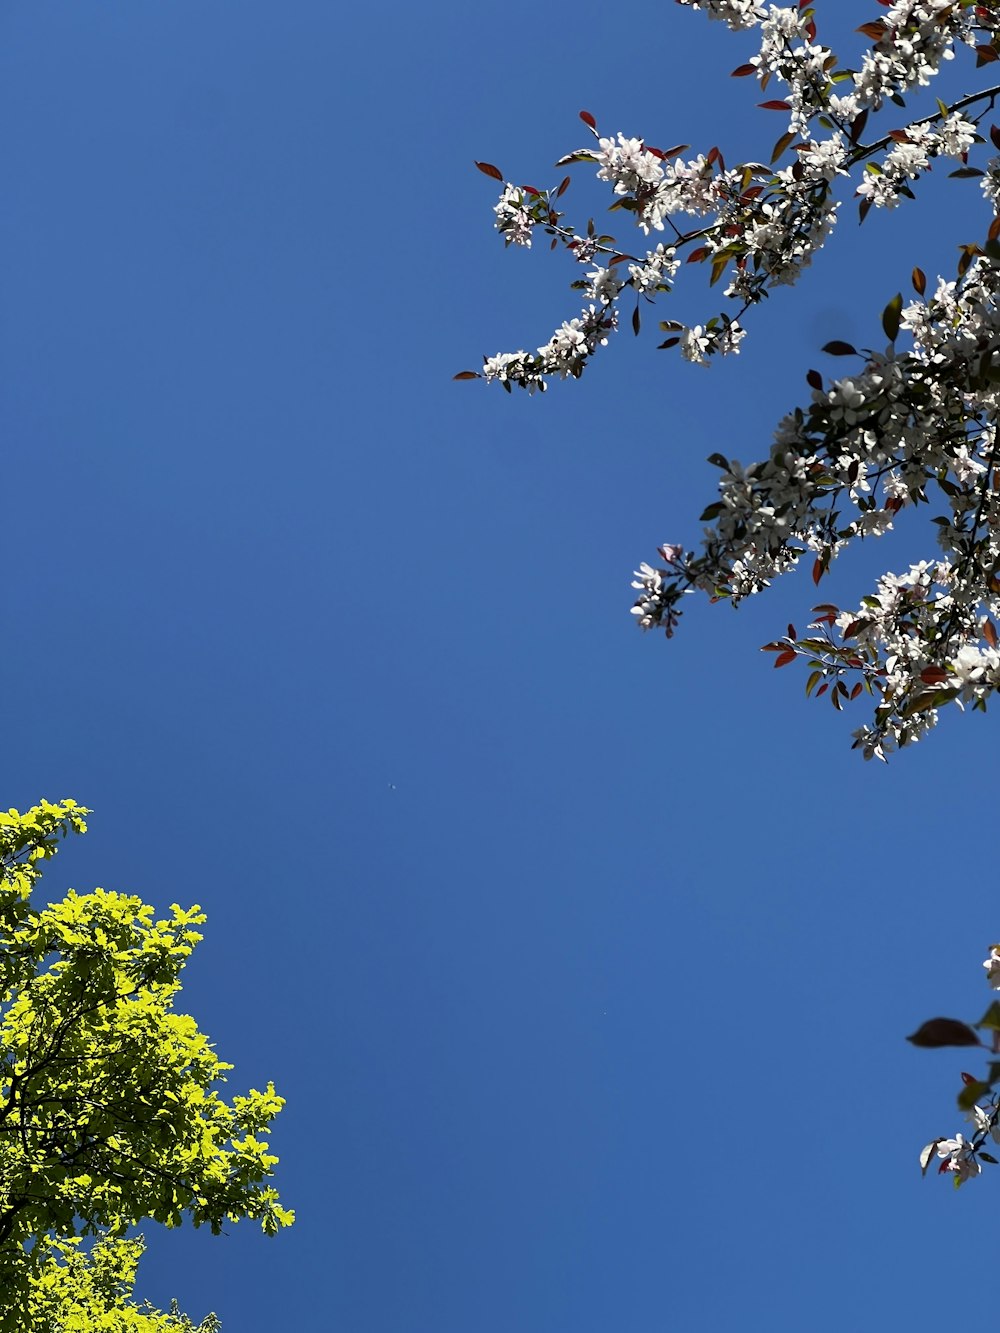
[(467, 375), (488, 169), (588, 119), (933, 675), (776, 105), (784, 658), (919, 281), (817, 571), (944, 1032), (741, 71), (990, 633)]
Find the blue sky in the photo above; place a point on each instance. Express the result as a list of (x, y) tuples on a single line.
[(584, 960)]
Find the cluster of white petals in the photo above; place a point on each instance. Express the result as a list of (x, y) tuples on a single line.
[(737, 13), (514, 219)]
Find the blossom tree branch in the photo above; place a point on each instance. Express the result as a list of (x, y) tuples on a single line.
[(910, 425)]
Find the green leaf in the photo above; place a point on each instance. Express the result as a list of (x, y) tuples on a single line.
[(971, 1095), (891, 316)]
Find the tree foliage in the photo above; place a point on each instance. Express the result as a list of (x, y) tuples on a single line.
[(110, 1109), (78, 1291)]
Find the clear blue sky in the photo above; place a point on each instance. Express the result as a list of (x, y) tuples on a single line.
[(584, 960)]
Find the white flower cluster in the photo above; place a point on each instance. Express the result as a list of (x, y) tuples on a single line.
[(565, 354), (918, 36), (514, 218), (911, 155), (737, 13), (660, 188)]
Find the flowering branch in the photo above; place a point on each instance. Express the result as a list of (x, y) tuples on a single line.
[(907, 427), (960, 1156)]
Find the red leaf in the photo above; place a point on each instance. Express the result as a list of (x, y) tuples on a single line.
[(990, 633), (784, 658), (817, 571), (467, 375), (858, 127), (588, 119), (775, 106), (563, 187), (933, 675), (698, 254), (919, 281), (488, 169), (741, 71)]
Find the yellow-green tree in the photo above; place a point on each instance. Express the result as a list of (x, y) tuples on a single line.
[(77, 1291), (110, 1109)]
